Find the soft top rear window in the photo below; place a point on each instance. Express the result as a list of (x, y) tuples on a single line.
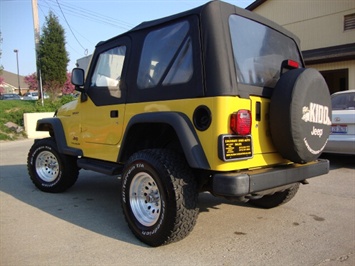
[(259, 51)]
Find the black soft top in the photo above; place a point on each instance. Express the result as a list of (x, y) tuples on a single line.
[(219, 75), (213, 11)]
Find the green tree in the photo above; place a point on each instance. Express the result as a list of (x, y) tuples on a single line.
[(52, 55)]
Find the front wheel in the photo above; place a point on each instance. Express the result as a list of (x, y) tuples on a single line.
[(159, 196), (49, 170), (276, 199)]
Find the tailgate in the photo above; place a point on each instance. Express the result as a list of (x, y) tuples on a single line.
[(262, 142)]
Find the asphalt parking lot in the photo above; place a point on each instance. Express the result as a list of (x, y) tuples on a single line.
[(85, 225)]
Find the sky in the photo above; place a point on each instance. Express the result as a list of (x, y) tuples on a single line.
[(86, 22)]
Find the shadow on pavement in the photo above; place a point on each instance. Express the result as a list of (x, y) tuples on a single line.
[(339, 160), (92, 203)]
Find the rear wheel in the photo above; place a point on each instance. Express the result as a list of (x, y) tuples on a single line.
[(276, 199), (159, 196), (49, 170)]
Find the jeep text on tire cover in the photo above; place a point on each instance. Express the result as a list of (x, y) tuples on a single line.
[(213, 99)]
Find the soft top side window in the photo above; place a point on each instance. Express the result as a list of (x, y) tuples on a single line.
[(166, 57), (109, 67), (106, 81)]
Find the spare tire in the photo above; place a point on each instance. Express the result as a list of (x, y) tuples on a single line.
[(300, 115)]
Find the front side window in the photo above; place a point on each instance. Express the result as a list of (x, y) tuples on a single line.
[(259, 51), (166, 57), (109, 67)]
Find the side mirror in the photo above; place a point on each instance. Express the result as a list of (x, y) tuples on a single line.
[(78, 80), (77, 77)]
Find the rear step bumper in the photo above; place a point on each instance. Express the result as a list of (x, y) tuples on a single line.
[(250, 182)]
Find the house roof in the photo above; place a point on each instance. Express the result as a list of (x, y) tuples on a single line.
[(12, 79), (330, 54), (255, 4), (320, 55)]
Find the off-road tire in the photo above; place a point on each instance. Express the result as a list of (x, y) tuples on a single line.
[(49, 170), (159, 196), (276, 199)]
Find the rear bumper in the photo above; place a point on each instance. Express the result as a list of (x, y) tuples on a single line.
[(250, 182)]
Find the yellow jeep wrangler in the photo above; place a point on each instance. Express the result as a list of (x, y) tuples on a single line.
[(213, 99)]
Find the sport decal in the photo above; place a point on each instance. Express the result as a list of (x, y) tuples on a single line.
[(316, 113)]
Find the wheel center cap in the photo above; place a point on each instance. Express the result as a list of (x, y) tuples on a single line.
[(52, 165), (148, 198), (152, 197)]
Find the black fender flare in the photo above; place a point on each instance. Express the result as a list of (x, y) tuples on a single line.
[(184, 129), (54, 124)]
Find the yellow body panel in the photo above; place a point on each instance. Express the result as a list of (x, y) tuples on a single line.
[(92, 129), (99, 136)]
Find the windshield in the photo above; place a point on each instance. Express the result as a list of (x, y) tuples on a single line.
[(259, 51)]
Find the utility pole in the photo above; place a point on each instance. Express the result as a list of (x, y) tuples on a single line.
[(18, 73), (37, 39)]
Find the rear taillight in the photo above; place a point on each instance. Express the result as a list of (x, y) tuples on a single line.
[(288, 65), (240, 122), (293, 64)]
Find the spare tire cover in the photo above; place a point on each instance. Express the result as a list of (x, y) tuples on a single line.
[(300, 115)]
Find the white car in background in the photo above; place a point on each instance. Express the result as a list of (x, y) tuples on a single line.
[(342, 137), (33, 95)]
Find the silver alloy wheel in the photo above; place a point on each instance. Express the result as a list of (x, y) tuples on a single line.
[(47, 166), (145, 199)]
